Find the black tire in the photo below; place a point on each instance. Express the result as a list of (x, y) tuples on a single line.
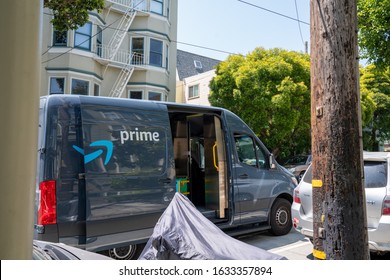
[(130, 252), (280, 217)]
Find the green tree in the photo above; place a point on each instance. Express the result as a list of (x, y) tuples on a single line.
[(69, 14), (375, 82), (270, 91), (374, 31)]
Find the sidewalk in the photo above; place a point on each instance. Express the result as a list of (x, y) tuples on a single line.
[(293, 246)]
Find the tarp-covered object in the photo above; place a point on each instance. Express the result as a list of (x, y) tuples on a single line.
[(182, 232)]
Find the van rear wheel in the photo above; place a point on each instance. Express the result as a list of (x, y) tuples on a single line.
[(129, 252), (280, 218)]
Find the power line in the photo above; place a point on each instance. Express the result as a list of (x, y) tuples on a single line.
[(273, 12), (207, 48), (299, 24), (72, 48), (183, 43), (136, 33)]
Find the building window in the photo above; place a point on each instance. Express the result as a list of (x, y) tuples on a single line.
[(139, 5), (96, 90), (80, 87), (168, 7), (193, 91), (156, 52), (154, 96), (137, 47), (57, 85), (166, 57), (82, 37), (156, 6), (99, 41), (60, 38), (136, 94), (198, 64)]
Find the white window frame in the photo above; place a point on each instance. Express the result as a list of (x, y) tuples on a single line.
[(160, 54), (71, 85), (136, 90), (138, 60), (83, 40), (191, 91), (157, 4), (95, 85), (56, 77), (155, 92)]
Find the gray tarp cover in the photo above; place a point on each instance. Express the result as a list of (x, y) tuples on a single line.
[(182, 232)]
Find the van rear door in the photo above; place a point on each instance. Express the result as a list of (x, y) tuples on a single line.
[(129, 169)]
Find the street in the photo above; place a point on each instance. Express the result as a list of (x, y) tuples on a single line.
[(293, 246)]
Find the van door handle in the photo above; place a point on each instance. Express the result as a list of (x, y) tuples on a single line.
[(165, 181), (243, 176)]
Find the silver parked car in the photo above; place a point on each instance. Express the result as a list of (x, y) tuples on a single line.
[(298, 165), (377, 188), (43, 250)]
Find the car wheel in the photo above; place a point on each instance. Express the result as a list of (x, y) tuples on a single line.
[(280, 217), (125, 253)]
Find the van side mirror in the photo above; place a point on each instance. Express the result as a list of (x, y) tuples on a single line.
[(272, 161)]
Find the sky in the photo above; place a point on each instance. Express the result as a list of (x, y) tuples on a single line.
[(239, 26)]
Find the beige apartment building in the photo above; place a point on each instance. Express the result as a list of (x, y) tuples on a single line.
[(193, 74), (128, 51)]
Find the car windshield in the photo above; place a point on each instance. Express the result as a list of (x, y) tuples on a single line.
[(375, 173)]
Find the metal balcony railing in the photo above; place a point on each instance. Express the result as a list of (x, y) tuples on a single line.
[(121, 58), (138, 5)]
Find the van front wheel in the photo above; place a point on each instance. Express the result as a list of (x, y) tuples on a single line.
[(280, 218)]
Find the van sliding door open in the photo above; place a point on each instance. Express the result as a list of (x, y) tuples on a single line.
[(216, 198), (200, 162)]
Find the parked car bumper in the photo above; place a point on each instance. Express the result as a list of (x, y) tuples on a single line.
[(379, 238), (301, 222)]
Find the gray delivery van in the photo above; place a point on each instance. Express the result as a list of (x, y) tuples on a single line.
[(108, 168)]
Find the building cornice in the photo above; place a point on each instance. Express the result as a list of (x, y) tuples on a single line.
[(68, 69)]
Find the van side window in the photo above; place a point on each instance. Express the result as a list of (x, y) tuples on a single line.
[(249, 152)]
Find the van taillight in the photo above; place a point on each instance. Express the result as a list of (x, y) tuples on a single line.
[(386, 207), (297, 199), (47, 212)]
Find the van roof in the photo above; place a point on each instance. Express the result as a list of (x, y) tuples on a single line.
[(140, 103)]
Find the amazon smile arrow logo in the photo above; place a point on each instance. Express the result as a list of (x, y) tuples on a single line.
[(94, 155)]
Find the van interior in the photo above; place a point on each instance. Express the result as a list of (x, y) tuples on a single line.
[(200, 162)]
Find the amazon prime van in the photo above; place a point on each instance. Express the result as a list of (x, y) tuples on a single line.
[(108, 168)]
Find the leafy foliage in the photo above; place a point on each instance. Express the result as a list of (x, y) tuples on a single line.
[(374, 31), (69, 14), (376, 83), (270, 91)]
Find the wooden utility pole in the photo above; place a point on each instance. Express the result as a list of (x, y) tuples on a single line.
[(340, 226)]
